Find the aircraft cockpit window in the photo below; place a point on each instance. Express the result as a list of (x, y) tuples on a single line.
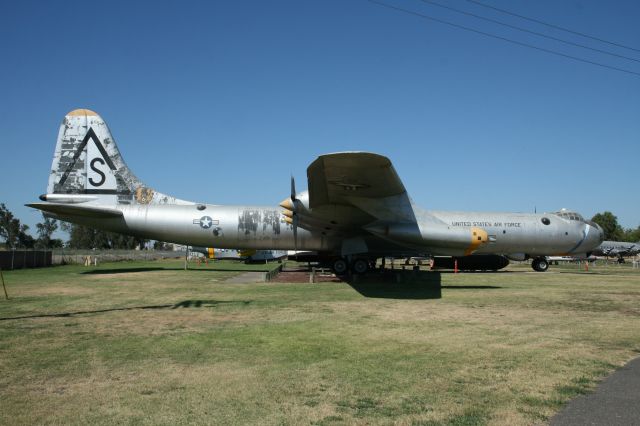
[(570, 216), (545, 220)]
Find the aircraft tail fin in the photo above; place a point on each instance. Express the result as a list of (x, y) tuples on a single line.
[(88, 167)]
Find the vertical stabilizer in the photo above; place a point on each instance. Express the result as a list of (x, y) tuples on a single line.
[(88, 165)]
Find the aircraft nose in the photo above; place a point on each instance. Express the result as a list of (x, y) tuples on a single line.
[(599, 229), (595, 234)]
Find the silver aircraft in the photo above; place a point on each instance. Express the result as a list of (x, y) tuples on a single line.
[(355, 210), (617, 249)]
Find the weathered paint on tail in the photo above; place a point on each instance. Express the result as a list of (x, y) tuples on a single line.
[(88, 166)]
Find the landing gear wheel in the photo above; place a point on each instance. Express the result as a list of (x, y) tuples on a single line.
[(540, 264), (340, 266), (360, 266)]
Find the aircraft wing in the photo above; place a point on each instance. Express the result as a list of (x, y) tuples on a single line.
[(358, 187), (335, 178)]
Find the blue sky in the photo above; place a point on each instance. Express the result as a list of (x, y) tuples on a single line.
[(221, 102)]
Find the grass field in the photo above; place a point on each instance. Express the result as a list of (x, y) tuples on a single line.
[(150, 343)]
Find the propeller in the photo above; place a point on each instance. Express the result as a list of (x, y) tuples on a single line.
[(291, 206), (294, 201)]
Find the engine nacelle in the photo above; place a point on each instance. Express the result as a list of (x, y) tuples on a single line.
[(480, 262), (447, 239), (517, 257)]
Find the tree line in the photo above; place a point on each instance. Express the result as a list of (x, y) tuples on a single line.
[(612, 229), (15, 234)]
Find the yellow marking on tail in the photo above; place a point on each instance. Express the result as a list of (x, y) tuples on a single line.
[(77, 112)]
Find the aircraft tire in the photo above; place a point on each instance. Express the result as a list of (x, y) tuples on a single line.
[(360, 266), (540, 264), (340, 266)]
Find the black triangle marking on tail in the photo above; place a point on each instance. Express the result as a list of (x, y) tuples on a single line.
[(90, 135)]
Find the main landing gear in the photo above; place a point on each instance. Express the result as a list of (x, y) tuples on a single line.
[(540, 264), (341, 266)]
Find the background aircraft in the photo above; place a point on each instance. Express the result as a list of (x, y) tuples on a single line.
[(617, 249), (248, 255), (355, 210)]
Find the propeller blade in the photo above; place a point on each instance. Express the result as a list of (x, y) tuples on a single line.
[(293, 188), (294, 221)]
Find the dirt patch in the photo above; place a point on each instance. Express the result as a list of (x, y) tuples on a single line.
[(303, 277), (125, 275)]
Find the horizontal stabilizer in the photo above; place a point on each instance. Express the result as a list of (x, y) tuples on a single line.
[(77, 210)]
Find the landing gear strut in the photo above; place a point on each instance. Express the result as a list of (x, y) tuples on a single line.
[(540, 264)]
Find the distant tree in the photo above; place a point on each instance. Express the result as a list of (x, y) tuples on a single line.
[(56, 243), (609, 223), (632, 235), (83, 237), (25, 240), (12, 231), (80, 237), (45, 229), (9, 227)]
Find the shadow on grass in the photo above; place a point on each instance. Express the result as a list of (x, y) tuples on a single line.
[(149, 269), (398, 285), (183, 304), (126, 270), (577, 272), (481, 272), (470, 287)]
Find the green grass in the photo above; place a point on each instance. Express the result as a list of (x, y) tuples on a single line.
[(150, 343)]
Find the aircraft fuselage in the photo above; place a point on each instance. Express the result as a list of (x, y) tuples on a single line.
[(263, 227)]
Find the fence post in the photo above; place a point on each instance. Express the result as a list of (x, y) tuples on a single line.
[(6, 296)]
